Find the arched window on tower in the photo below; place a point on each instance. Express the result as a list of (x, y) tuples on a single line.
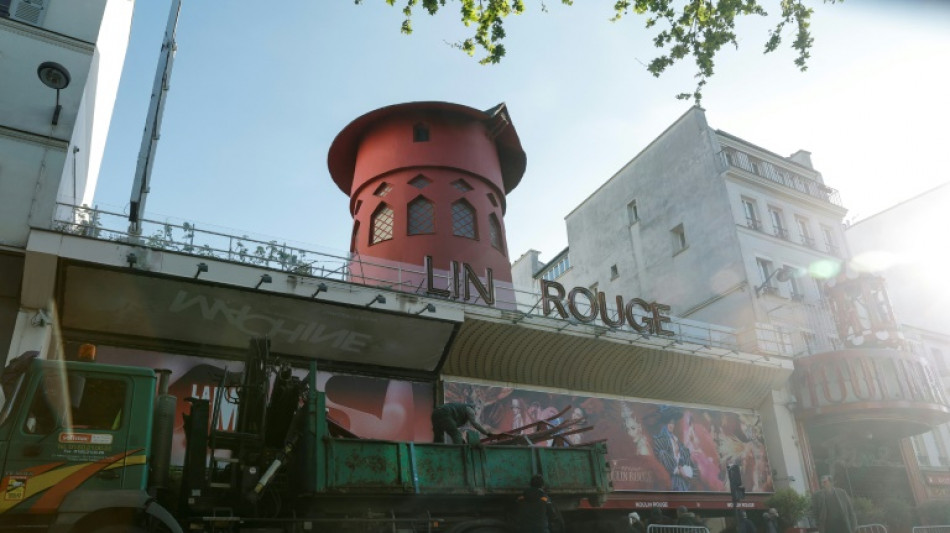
[(494, 230), (420, 182), (420, 133), (463, 220), (382, 224), (421, 216)]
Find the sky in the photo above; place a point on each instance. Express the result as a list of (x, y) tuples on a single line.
[(258, 95)]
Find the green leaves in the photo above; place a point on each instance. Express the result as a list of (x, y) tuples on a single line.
[(696, 29)]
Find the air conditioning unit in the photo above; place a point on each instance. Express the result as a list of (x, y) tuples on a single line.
[(28, 11)]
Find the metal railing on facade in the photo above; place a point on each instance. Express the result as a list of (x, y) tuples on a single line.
[(196, 240), (931, 529), (662, 528), (871, 528), (780, 175)]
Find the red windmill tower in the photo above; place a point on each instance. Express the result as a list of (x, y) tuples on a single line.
[(427, 179)]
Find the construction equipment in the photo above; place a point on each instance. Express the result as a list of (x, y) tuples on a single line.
[(76, 445)]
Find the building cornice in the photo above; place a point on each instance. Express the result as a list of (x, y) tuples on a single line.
[(48, 37), (32, 138)]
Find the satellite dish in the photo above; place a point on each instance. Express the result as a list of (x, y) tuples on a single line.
[(784, 274)]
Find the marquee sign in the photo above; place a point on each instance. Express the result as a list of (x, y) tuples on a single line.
[(581, 303), (155, 307)]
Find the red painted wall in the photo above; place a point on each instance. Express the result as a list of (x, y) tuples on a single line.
[(374, 150)]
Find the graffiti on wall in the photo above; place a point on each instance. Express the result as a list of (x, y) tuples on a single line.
[(651, 447)]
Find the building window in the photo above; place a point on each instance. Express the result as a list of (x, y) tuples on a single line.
[(751, 212), (491, 198), (420, 181), (382, 224), (29, 11), (356, 232), (811, 342), (804, 231), (494, 230), (939, 360), (359, 204), (383, 189), (795, 291), (778, 222), (819, 288), (420, 133), (461, 185), (463, 220), (614, 272), (554, 271), (764, 267), (830, 243), (99, 407), (421, 216), (679, 239), (632, 214)]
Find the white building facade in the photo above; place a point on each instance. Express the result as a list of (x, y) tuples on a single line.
[(728, 233), (60, 70), (905, 246)]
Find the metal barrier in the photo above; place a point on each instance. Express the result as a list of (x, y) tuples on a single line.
[(658, 528), (871, 528), (932, 529)]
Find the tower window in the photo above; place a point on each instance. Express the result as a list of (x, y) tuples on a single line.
[(491, 198), (382, 224), (421, 216), (461, 185), (633, 214), (679, 239), (383, 189), (494, 230), (356, 233), (463, 220), (359, 204), (420, 133), (420, 181)]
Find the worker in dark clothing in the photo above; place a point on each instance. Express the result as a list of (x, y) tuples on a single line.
[(745, 525), (685, 518), (449, 417), (538, 514)]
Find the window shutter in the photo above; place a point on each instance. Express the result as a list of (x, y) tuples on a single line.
[(29, 11)]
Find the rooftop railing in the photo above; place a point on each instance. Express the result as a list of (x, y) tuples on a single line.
[(193, 239), (781, 175)]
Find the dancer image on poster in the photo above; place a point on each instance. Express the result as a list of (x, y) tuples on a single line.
[(671, 452)]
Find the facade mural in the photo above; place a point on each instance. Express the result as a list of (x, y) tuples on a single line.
[(651, 447), (370, 407)]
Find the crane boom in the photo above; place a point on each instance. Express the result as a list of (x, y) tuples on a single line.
[(153, 123)]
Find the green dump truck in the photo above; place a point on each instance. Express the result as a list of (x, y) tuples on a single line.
[(85, 448)]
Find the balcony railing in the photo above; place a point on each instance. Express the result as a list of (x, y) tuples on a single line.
[(191, 239), (780, 175)]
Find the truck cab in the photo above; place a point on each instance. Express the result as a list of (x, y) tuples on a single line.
[(75, 440)]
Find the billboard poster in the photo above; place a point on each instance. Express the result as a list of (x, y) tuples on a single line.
[(651, 447), (369, 407)]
